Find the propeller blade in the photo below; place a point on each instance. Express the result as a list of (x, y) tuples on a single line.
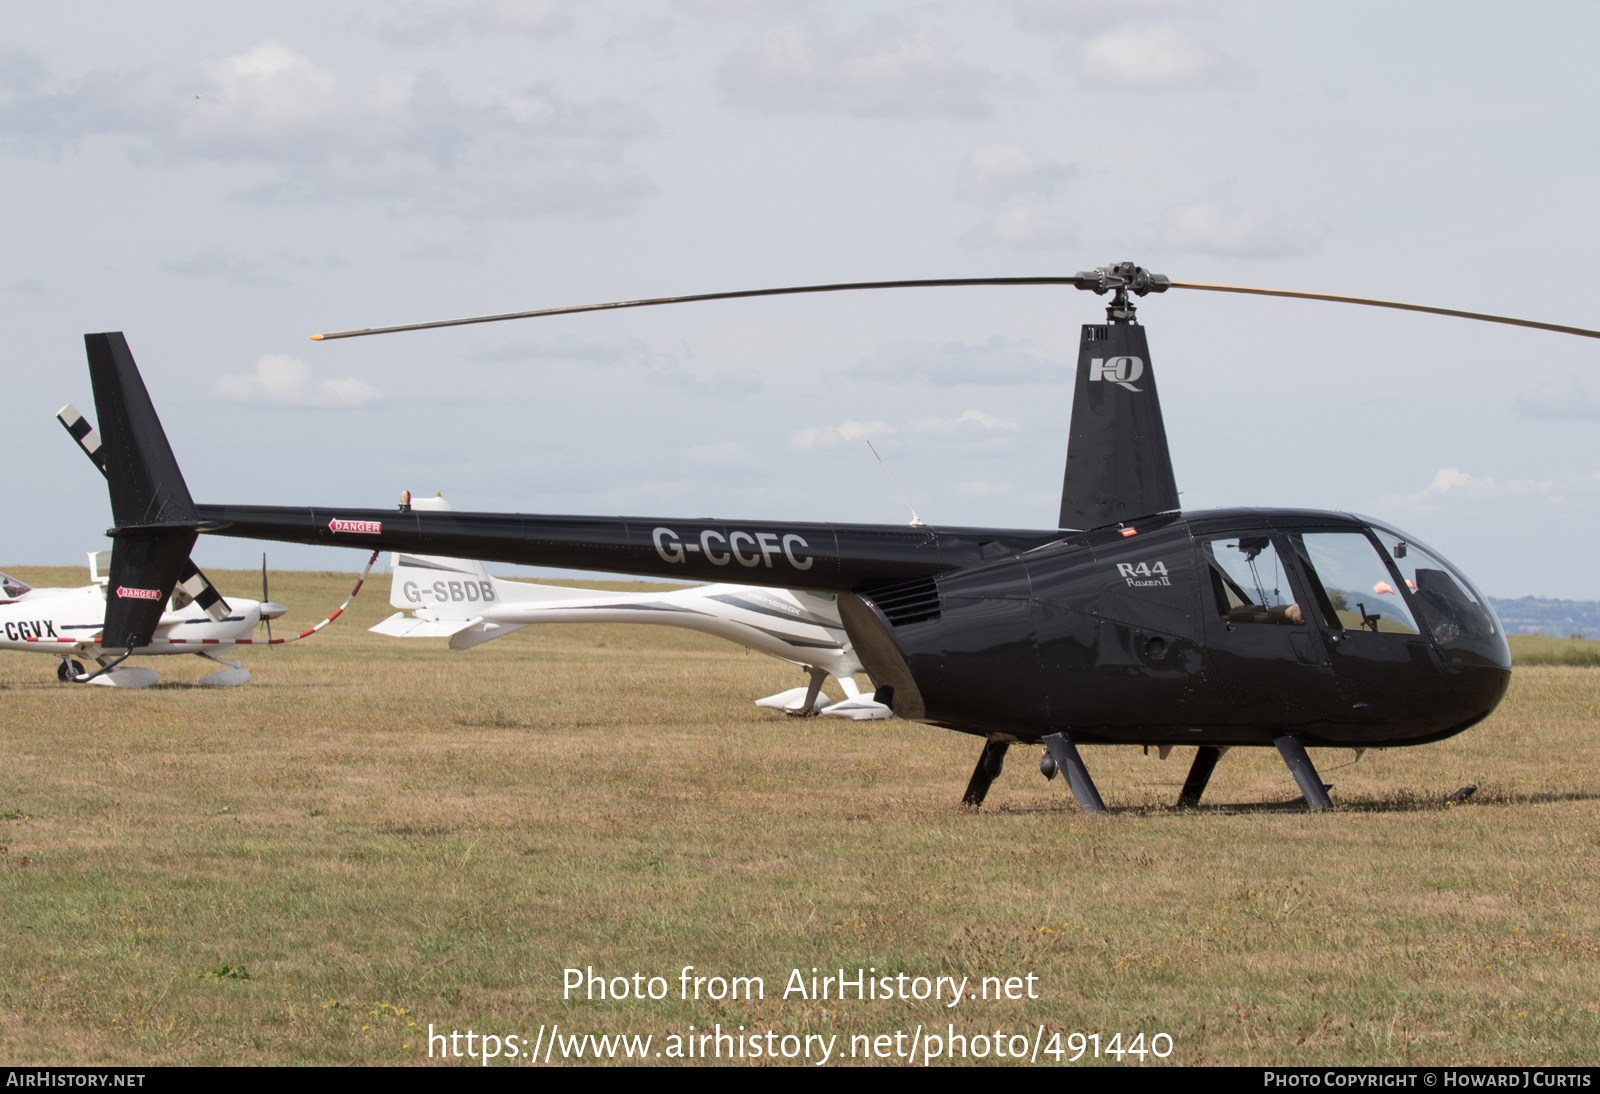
[(1078, 280), (265, 599), (1557, 327)]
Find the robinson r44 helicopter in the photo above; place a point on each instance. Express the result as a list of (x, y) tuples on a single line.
[(1129, 623)]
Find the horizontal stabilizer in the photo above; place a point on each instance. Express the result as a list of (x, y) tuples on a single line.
[(400, 625), (858, 710), (792, 699)]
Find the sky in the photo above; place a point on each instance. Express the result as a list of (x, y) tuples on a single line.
[(219, 182)]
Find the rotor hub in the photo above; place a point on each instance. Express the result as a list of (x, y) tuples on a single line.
[(1120, 279)]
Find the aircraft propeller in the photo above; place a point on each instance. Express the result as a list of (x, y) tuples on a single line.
[(269, 610)]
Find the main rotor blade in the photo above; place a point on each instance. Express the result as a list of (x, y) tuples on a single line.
[(924, 283), (1558, 328)]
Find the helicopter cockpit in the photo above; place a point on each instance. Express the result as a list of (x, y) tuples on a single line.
[(1378, 582), (1456, 614)]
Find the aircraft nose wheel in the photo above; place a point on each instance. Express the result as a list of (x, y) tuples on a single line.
[(68, 671)]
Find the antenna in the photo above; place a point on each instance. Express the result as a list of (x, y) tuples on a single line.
[(916, 521)]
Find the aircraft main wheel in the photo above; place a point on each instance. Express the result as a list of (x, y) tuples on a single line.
[(68, 671)]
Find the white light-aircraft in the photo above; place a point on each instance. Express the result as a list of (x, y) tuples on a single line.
[(458, 599), (66, 623)]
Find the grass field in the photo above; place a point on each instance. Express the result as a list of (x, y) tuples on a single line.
[(1540, 649), (385, 835)]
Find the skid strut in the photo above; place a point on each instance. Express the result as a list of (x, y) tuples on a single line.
[(1065, 754), (990, 761), (1304, 772), (1205, 762)]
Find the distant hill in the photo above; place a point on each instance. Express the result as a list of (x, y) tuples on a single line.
[(1561, 618)]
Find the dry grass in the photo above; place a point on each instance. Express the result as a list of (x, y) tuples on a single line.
[(385, 833)]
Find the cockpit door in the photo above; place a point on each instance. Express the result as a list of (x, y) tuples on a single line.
[(1388, 670), (1258, 634)]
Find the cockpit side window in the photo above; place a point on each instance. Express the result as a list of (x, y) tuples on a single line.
[(1248, 583), (12, 587), (1359, 591)]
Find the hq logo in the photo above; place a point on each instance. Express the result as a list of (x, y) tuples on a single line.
[(1122, 371)]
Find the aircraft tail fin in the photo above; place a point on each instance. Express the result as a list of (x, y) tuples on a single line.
[(1118, 465), (154, 516)]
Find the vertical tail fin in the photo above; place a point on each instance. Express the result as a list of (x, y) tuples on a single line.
[(1118, 466), (146, 485), (155, 519)]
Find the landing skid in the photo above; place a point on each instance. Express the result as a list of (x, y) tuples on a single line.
[(1067, 760), (1205, 762), (1304, 772), (990, 762), (1062, 755)]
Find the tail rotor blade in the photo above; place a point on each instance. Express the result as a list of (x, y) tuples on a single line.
[(205, 594), (194, 583)]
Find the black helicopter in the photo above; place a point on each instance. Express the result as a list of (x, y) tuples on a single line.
[(1130, 623)]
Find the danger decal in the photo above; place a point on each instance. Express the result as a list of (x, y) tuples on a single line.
[(366, 527)]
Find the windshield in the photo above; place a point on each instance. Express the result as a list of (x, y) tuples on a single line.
[(13, 588), (1456, 614)]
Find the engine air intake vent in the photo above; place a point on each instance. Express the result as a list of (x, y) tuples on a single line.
[(915, 600)]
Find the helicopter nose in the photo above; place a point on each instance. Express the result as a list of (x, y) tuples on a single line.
[(269, 610)]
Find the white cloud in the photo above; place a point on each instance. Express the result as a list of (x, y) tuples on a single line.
[(1556, 399), (661, 368), (998, 171), (1256, 233), (1023, 227), (218, 263), (1056, 16), (1151, 57), (970, 421), (1454, 482), (280, 380), (979, 488), (998, 360), (831, 436), (1018, 188), (406, 139), (885, 69), (427, 24), (20, 71), (736, 8), (724, 454)]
